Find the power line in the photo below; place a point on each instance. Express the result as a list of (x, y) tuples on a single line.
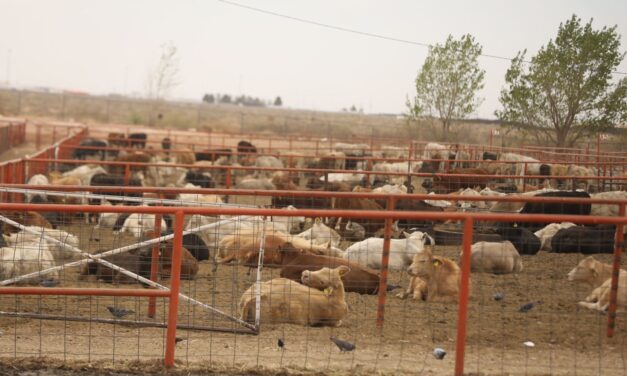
[(353, 31)]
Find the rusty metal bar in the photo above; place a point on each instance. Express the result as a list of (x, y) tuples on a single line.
[(83, 291), (43, 316), (618, 251), (175, 277), (385, 260), (464, 292)]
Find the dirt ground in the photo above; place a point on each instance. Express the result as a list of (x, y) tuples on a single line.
[(568, 340)]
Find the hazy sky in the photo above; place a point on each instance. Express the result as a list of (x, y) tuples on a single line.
[(109, 46)]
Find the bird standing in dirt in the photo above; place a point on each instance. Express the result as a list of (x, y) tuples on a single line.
[(119, 312), (344, 346)]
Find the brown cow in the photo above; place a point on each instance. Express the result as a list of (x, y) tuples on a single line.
[(448, 184), (370, 225), (25, 218), (359, 279), (189, 264)]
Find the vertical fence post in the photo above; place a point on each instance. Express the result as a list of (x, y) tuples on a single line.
[(175, 281), (618, 250), (385, 260), (464, 292), (154, 264), (38, 137)]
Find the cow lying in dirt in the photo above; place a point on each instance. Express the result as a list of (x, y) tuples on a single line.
[(359, 279), (598, 276), (495, 257), (441, 277), (319, 301)]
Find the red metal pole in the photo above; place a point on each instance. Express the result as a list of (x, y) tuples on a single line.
[(38, 137), (127, 174), (227, 183), (175, 281), (618, 250), (154, 265), (385, 260), (464, 292)]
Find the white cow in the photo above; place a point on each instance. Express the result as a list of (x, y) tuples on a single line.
[(38, 179), (85, 173), (26, 258), (546, 234), (58, 251), (495, 257), (138, 224), (368, 252), (320, 233)]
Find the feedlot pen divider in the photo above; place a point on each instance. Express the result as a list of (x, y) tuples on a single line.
[(467, 218)]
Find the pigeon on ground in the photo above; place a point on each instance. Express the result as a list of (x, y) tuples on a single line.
[(499, 296), (529, 306), (281, 343), (439, 353), (178, 339), (48, 283), (119, 312), (344, 346)]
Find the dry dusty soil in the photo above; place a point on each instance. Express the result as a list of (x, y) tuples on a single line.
[(568, 340)]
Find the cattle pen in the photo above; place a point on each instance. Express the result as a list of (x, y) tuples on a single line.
[(138, 273)]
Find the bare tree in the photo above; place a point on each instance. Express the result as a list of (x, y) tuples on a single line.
[(165, 75)]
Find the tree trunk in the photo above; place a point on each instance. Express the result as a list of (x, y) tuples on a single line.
[(445, 125), (561, 138)]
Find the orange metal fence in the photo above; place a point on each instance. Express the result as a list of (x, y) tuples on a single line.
[(388, 216)]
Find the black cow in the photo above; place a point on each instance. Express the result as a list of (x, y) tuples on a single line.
[(488, 156), (525, 241), (120, 221), (196, 246), (82, 154), (555, 207), (203, 180), (166, 144), (138, 140), (213, 154), (584, 239), (246, 147), (136, 261), (408, 204), (113, 180)]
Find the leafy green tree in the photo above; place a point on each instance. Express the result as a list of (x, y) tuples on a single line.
[(278, 101), (566, 91), (448, 81)]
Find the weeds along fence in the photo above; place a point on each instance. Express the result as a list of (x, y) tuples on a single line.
[(12, 133), (129, 264)]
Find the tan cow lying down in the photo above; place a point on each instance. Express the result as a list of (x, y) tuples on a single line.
[(245, 246), (286, 301), (495, 257), (598, 275), (440, 274)]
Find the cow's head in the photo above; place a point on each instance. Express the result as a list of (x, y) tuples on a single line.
[(325, 279), (586, 271)]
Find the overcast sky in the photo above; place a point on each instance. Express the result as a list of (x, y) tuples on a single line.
[(108, 46)]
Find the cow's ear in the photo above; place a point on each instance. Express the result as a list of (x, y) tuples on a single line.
[(437, 262), (595, 273), (342, 270), (407, 234), (318, 220), (329, 244)]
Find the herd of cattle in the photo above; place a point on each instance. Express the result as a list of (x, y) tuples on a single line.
[(321, 259)]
